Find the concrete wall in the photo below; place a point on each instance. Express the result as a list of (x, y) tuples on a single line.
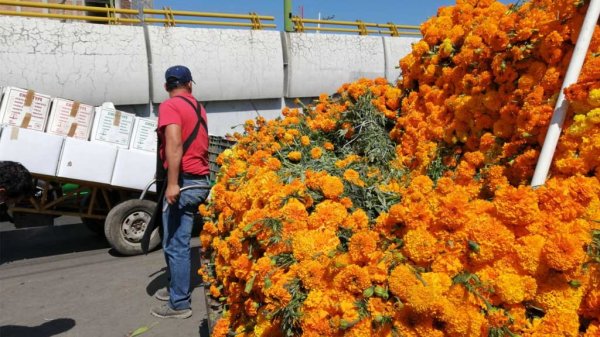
[(226, 64), (320, 63), (86, 62), (240, 73), (396, 48)]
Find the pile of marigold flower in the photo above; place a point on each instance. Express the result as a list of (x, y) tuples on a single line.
[(405, 210)]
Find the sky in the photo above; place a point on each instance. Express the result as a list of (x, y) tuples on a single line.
[(407, 12)]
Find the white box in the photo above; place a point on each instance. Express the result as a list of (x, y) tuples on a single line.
[(112, 126), (83, 160), (134, 169), (39, 152), (24, 108), (71, 119), (144, 135)]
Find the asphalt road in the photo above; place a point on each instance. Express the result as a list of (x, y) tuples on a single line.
[(64, 280)]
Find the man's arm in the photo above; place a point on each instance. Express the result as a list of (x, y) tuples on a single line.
[(174, 153)]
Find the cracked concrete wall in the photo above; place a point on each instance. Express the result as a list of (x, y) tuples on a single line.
[(90, 63), (395, 49), (321, 63), (95, 63), (226, 64)]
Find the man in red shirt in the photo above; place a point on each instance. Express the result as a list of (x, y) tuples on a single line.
[(183, 134)]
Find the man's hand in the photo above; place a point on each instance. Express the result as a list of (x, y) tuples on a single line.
[(172, 193)]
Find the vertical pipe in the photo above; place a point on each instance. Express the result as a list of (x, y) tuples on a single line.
[(287, 15), (141, 4), (319, 24), (560, 110)]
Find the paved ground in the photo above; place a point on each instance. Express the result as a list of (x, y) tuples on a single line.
[(66, 281)]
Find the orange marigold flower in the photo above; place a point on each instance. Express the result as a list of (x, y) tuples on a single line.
[(420, 246), (352, 278), (564, 252), (353, 177), (513, 288), (401, 279), (329, 214), (316, 153), (311, 273), (362, 245), (517, 206), (309, 244), (295, 156), (332, 187), (304, 140)]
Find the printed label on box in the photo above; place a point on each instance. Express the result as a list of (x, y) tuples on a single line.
[(24, 108), (72, 119), (144, 135), (113, 126)]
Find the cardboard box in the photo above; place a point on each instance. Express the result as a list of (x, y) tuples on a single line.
[(70, 119), (24, 108), (88, 161), (39, 152), (144, 135), (134, 169), (112, 126)]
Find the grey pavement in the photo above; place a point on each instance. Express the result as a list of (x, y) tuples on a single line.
[(66, 281)]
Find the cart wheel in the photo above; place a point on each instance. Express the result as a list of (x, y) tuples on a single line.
[(125, 225)]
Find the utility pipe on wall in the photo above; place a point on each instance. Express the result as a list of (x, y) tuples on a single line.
[(562, 105), (287, 16)]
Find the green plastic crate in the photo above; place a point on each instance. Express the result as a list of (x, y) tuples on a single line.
[(216, 145)]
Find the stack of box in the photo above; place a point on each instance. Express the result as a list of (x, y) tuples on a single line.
[(135, 167), (101, 145)]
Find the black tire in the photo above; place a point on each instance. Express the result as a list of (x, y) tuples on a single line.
[(125, 225), (94, 225)]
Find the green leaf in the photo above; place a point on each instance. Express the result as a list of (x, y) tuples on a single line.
[(474, 246), (142, 329), (248, 227), (249, 284)]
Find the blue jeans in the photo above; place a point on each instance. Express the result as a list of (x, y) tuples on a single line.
[(178, 220)]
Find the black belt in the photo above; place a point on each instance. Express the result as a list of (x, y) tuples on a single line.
[(194, 176)]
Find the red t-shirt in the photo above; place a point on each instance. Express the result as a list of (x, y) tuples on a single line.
[(177, 111)]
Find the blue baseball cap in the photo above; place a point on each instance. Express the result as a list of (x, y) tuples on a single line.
[(178, 74)]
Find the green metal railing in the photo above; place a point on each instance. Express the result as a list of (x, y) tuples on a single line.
[(131, 16), (362, 28), (170, 18)]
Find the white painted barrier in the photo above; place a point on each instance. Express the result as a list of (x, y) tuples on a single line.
[(95, 63), (226, 64), (85, 62), (321, 63), (396, 48)]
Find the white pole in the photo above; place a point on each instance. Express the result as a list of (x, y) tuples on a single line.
[(560, 110), (319, 24)]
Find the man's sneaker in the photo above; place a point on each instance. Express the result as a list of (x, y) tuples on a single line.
[(162, 294), (165, 311)]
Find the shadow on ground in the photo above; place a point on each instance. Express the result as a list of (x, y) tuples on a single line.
[(27, 243), (46, 329)]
